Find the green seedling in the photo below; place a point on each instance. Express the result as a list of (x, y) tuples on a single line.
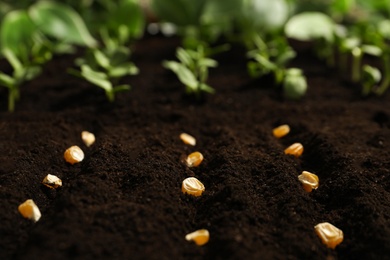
[(192, 70), (199, 23), (62, 23), (23, 47), (314, 26), (204, 20), (122, 22), (357, 55), (384, 85), (371, 77), (105, 70), (269, 58), (294, 84), (21, 74), (29, 37)]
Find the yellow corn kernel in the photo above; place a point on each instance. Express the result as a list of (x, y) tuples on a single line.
[(200, 237), (309, 181), (295, 149), (281, 131), (52, 181), (74, 154), (29, 210), (88, 138), (188, 139), (192, 186), (194, 159), (330, 235)]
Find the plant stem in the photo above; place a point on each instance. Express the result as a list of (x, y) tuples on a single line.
[(13, 95), (110, 96), (386, 81), (356, 62)]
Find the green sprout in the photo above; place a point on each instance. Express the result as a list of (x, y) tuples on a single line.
[(269, 58), (23, 47), (105, 66), (29, 37), (371, 77), (200, 24), (268, 50), (294, 84), (192, 70), (105, 69), (384, 85)]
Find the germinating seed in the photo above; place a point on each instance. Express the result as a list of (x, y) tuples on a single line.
[(29, 210), (330, 235), (52, 181), (192, 186), (200, 237), (295, 149), (188, 139), (281, 131), (194, 159), (88, 138), (74, 154), (309, 181)]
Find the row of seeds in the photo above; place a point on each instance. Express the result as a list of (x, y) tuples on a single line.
[(330, 235), (72, 155)]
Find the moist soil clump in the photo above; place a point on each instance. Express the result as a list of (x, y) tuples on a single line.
[(124, 201)]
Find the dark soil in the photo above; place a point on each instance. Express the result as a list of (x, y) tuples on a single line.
[(124, 201)]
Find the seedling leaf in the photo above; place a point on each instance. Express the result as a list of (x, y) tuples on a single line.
[(384, 28), (61, 22), (310, 26), (266, 15), (295, 85), (179, 12), (121, 88), (183, 73), (126, 21), (6, 80), (124, 69), (18, 34), (95, 77), (101, 59)]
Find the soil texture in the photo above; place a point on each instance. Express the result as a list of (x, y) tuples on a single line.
[(124, 201)]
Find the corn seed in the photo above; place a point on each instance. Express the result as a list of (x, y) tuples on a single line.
[(194, 159), (200, 237), (281, 131), (188, 139), (29, 210), (309, 181), (330, 235), (74, 155), (52, 181), (192, 186), (88, 138), (295, 149)]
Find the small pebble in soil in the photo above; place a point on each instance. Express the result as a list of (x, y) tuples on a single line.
[(188, 139), (330, 235), (194, 159), (74, 154), (281, 131), (192, 186), (295, 149), (52, 181), (309, 181), (88, 138), (200, 237), (30, 210)]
